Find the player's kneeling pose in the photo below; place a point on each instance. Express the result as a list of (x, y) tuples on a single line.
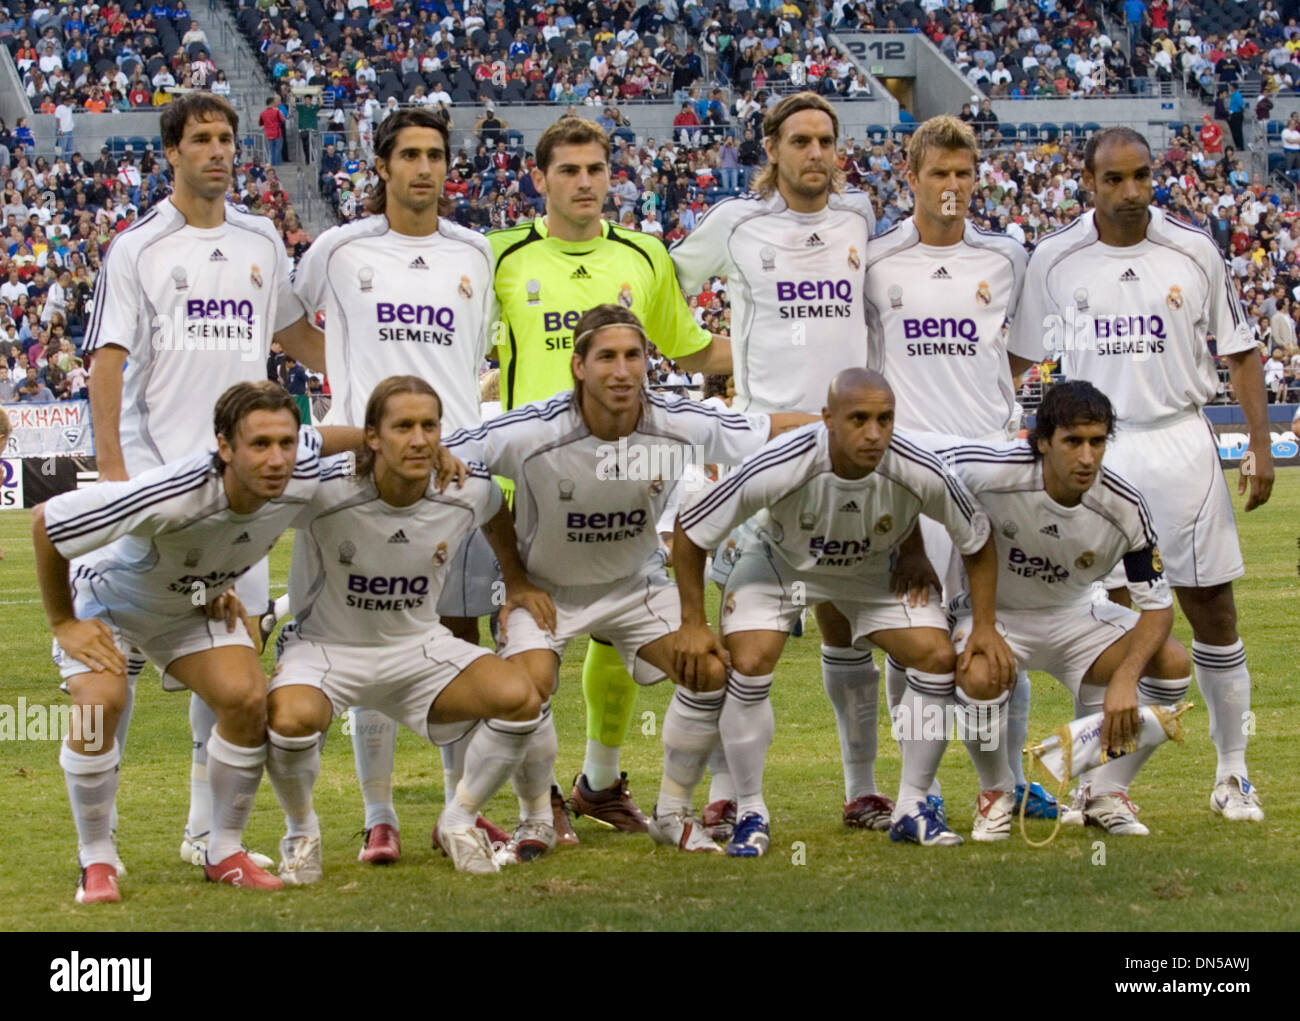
[(1062, 521), (188, 530), (593, 471), (370, 557), (838, 498)]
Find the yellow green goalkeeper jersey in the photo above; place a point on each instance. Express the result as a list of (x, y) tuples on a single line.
[(544, 285)]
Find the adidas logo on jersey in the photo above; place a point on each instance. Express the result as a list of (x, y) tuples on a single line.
[(398, 536), (851, 507), (940, 274), (418, 263), (580, 274), (1128, 276), (1050, 530), (243, 537), (814, 242), (216, 256)]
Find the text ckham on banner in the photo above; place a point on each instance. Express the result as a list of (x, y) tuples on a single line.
[(53, 429)]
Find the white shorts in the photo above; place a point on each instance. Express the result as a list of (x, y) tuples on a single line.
[(254, 588), (766, 594), (162, 641), (627, 614), (1063, 642), (471, 579), (402, 681), (1176, 467)]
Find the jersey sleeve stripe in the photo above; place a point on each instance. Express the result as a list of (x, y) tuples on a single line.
[(762, 462), (726, 419), (614, 235), (543, 413), (928, 460), (100, 518), (1144, 515)]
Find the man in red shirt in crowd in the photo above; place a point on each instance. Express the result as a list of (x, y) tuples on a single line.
[(272, 121), (1211, 135)]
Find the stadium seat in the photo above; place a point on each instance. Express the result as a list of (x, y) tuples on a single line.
[(514, 138), (1007, 132), (1091, 128), (1069, 131), (116, 144), (877, 133), (1274, 132), (901, 132), (1027, 132), (1049, 131), (138, 143)]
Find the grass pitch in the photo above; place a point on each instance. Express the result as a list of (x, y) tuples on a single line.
[(1195, 871)]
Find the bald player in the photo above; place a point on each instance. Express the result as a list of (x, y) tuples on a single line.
[(835, 499)]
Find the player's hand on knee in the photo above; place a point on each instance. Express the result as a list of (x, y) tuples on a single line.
[(976, 680), (987, 642), (91, 642), (693, 645), (1122, 720), (524, 595), (450, 468), (227, 607), (913, 577)]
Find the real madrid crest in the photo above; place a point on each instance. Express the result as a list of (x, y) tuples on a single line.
[(466, 289), (729, 607), (1157, 561), (656, 486), (982, 293), (730, 552), (255, 276), (883, 525), (1085, 560), (625, 295), (1174, 299), (855, 261), (440, 555)]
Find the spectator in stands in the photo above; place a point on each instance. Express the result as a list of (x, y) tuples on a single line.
[(273, 124), (8, 394), (33, 390)]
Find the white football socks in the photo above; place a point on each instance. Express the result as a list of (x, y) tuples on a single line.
[(721, 786), (374, 745), (918, 720), (293, 764), (600, 765), (690, 735), (852, 681), (234, 772), (135, 663), (453, 766), (496, 749), (1224, 681), (1017, 729), (92, 786), (895, 689), (747, 726), (535, 773), (202, 720), (982, 726)]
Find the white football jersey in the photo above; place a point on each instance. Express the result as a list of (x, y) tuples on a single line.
[(795, 285), (1049, 555), (935, 317), (586, 508), (176, 536), (367, 573), (195, 310), (819, 522), (1132, 321), (400, 305)]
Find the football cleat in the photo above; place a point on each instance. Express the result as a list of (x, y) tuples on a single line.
[(719, 819), (869, 812), (924, 826), (1073, 815), (239, 870), (529, 842), (119, 866), (1041, 804), (382, 845), (497, 837), (98, 885), (611, 807), (1115, 814), (1235, 798), (935, 801), (468, 849), (682, 831), (751, 837), (993, 812), (300, 860), (564, 835), (194, 851)]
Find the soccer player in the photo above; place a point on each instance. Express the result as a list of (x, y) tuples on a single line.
[(187, 529), (407, 291), (1062, 521), (371, 554), (793, 251), (594, 469), (186, 304), (838, 497), (939, 292), (548, 272), (1128, 294)]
